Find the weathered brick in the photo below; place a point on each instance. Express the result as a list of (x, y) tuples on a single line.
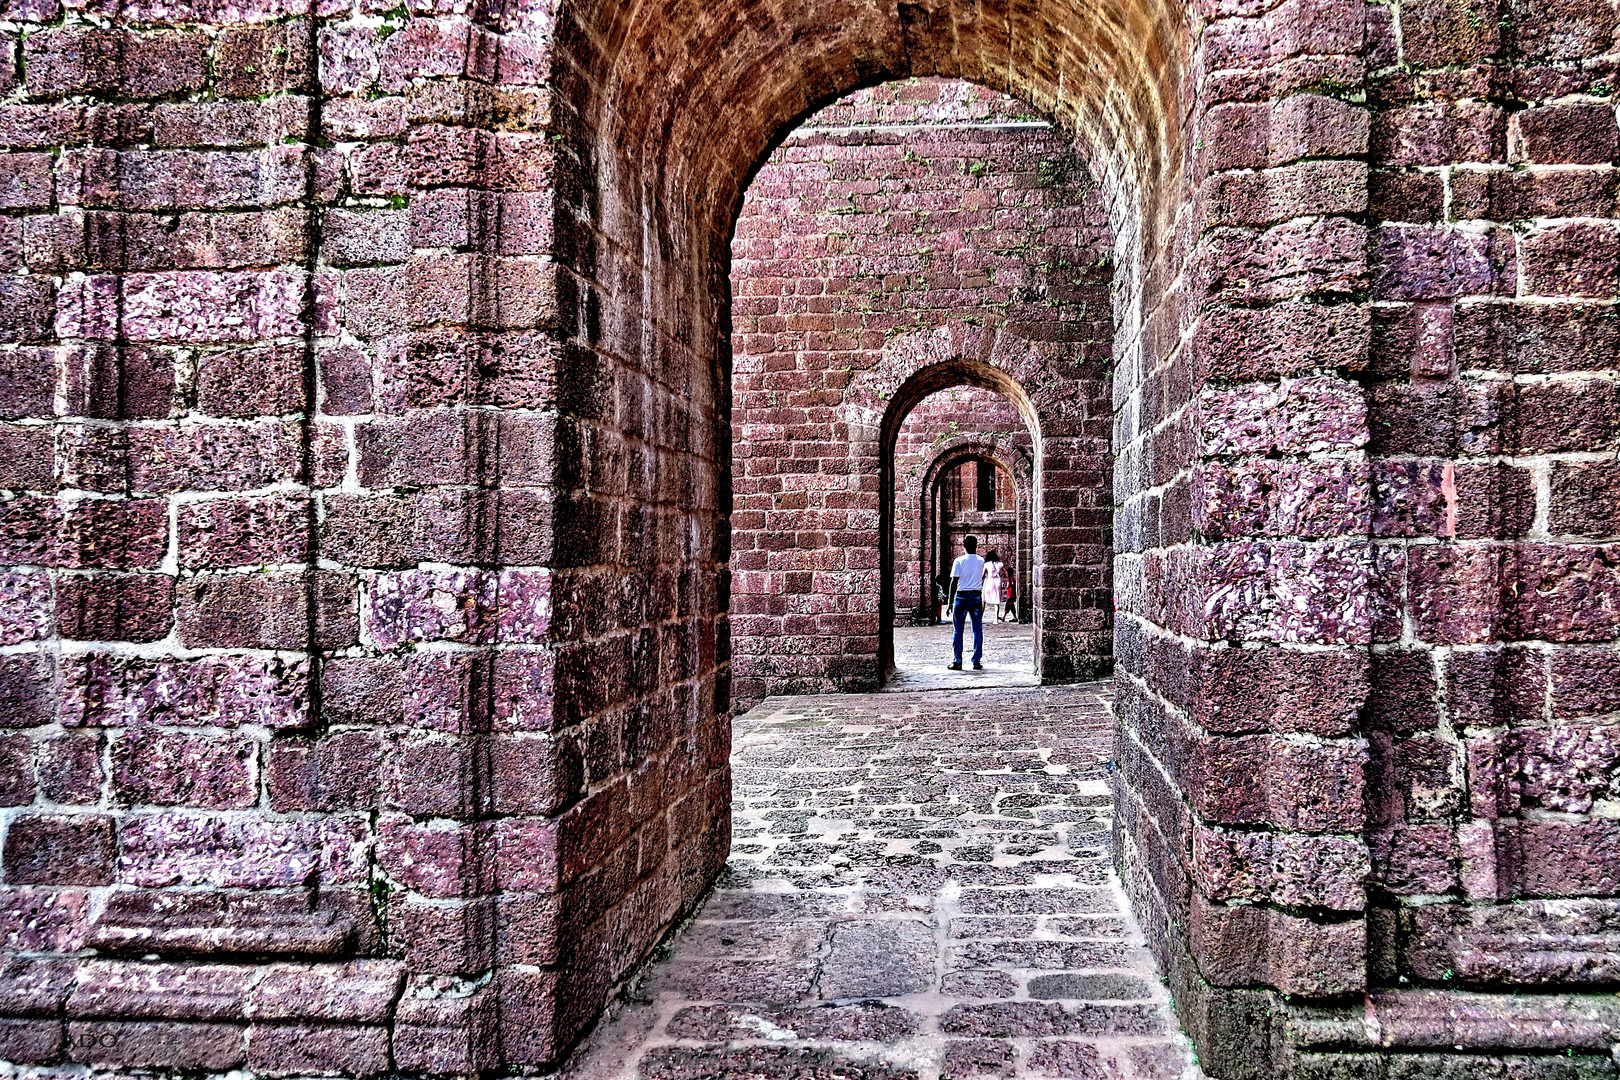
[(69, 767), (301, 1049), (156, 1044), (251, 61), (1567, 134), (60, 849), (163, 768), (122, 607), (245, 532)]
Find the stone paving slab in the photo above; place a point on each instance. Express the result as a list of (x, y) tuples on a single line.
[(919, 888)]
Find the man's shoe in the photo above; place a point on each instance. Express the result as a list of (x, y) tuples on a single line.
[(978, 667), (954, 667)]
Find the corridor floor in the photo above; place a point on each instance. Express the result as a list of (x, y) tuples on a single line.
[(919, 888), (921, 653)]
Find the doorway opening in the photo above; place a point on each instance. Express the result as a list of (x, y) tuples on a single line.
[(920, 282)]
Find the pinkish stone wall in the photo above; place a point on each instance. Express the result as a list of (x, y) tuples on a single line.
[(367, 470), (900, 210), (1494, 416), (1370, 765), (287, 758)]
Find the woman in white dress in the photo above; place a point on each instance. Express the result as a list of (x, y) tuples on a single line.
[(992, 586)]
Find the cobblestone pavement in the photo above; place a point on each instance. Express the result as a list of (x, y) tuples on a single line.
[(919, 888), (921, 653)]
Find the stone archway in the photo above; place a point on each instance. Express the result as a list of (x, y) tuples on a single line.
[(1070, 590), (1003, 453), (389, 505), (677, 104)]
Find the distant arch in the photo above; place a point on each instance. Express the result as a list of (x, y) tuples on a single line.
[(1003, 451)]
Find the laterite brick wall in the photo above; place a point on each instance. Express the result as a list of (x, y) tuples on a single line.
[(366, 494), (1494, 416), (1368, 770)]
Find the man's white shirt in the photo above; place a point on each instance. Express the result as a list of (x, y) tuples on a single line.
[(968, 570)]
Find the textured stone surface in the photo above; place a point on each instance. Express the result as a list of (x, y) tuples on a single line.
[(367, 464), (918, 882)]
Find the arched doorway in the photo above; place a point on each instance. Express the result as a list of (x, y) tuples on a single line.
[(671, 129), (978, 486), (834, 283), (1069, 591)]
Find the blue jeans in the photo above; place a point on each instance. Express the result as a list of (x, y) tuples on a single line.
[(970, 603)]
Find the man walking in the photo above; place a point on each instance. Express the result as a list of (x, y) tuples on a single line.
[(967, 599)]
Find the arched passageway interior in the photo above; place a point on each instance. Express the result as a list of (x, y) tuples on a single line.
[(373, 497)]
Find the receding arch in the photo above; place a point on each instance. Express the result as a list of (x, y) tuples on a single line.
[(667, 110), (923, 382), (1005, 453)]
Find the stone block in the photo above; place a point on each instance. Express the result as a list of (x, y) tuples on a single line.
[(163, 768), (1442, 33), (534, 775), (25, 457), (1585, 501), (1239, 946), (453, 1035), (216, 923), (1531, 943), (60, 849), (266, 611), (528, 1007), (155, 1044), (69, 768), (252, 61), (228, 851), (342, 771), (251, 381), (360, 991), (443, 938), (17, 784), (439, 859), (125, 989), (1564, 593), (328, 1049), (104, 690), (1574, 259), (245, 532), (363, 691), (123, 607), (433, 775), (1429, 263), (1566, 135)]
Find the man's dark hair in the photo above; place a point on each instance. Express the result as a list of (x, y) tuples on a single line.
[(971, 543)]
